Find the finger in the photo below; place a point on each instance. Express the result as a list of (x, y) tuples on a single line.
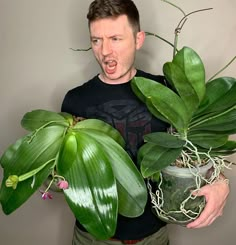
[(206, 216), (203, 191), (206, 219), (199, 223)]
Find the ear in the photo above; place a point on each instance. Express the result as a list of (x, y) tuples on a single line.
[(140, 37)]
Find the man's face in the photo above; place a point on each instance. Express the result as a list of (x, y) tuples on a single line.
[(114, 46)]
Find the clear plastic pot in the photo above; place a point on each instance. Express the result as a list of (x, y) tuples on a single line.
[(174, 202)]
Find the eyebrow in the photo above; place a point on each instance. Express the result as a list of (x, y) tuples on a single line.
[(94, 37), (112, 36)]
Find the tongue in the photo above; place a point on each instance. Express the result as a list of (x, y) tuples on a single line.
[(111, 67)]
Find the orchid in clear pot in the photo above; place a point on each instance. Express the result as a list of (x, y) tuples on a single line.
[(84, 158), (202, 117)]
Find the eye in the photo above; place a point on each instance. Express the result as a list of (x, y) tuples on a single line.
[(95, 41), (116, 39)]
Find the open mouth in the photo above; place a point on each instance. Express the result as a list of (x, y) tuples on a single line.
[(110, 66)]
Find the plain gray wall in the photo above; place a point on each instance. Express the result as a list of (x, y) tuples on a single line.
[(37, 67)]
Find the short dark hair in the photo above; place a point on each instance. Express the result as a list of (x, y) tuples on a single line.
[(100, 9)]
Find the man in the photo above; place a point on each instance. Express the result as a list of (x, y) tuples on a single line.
[(115, 37)]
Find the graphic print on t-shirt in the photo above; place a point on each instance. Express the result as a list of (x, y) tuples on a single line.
[(127, 116)]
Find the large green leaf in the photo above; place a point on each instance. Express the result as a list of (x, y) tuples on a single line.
[(155, 112), (165, 101), (35, 149), (177, 119), (12, 199), (102, 127), (11, 150), (184, 88), (33, 152), (145, 149), (92, 193), (36, 119), (190, 62), (208, 140), (67, 153), (136, 89), (224, 121), (228, 148), (164, 139), (130, 184), (158, 158), (220, 95)]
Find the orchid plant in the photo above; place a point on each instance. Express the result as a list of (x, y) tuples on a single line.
[(201, 113), (86, 160), (202, 117)]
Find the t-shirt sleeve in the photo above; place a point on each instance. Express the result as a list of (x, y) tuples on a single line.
[(66, 103)]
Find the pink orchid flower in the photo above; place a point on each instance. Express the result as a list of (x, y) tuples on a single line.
[(63, 184), (46, 195)]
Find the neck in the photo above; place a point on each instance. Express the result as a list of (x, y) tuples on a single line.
[(122, 79)]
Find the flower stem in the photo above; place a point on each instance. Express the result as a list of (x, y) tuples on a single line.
[(34, 171), (180, 25), (231, 61), (31, 137), (161, 38), (174, 6)]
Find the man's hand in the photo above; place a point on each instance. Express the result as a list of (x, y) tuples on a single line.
[(216, 195)]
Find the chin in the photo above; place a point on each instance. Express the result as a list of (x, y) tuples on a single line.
[(112, 76)]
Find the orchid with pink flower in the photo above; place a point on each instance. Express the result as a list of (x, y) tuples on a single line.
[(68, 154)]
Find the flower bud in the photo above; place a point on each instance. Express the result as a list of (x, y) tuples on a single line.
[(12, 181), (63, 184)]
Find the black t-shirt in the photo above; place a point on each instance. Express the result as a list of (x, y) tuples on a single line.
[(117, 105)]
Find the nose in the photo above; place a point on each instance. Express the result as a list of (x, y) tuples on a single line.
[(106, 48)]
